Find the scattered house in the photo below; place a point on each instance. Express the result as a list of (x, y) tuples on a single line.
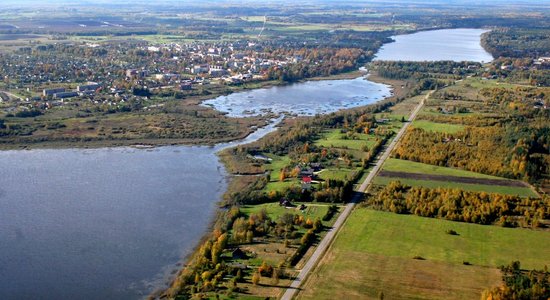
[(186, 86), (306, 183), (542, 63), (238, 266), (261, 157), (306, 172), (285, 202), (316, 166), (506, 67), (51, 92), (383, 120), (239, 254)]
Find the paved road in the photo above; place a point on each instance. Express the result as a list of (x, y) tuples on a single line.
[(323, 245)]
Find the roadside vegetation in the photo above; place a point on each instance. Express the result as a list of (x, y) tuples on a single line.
[(437, 218)]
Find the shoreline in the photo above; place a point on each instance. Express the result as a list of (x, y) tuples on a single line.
[(159, 142), (230, 177)]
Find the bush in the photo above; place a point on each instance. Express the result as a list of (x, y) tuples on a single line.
[(452, 232)]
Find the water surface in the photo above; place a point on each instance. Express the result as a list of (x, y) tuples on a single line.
[(305, 98), (447, 44), (113, 223), (106, 223)]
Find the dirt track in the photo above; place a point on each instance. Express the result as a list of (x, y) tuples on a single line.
[(485, 181)]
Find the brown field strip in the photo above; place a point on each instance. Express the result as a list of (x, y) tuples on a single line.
[(471, 180)]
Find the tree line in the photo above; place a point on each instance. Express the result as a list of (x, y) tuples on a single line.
[(462, 206)]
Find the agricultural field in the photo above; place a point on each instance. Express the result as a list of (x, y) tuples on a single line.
[(334, 138), (419, 174), (386, 245), (438, 127), (400, 165)]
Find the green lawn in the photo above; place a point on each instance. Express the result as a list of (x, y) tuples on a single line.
[(506, 190), (312, 211), (437, 127), (374, 253), (333, 138), (336, 173), (400, 165), (407, 235)]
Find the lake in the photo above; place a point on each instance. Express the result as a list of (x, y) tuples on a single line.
[(108, 223), (304, 98), (114, 223), (447, 44)]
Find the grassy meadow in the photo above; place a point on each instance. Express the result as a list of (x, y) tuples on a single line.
[(375, 252)]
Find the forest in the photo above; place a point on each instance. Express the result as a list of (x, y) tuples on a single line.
[(420, 70), (512, 152), (517, 42), (520, 284), (462, 206)]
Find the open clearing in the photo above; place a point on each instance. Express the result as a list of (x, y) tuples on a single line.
[(400, 165), (457, 179), (419, 174), (437, 127), (506, 190), (374, 253), (334, 138)]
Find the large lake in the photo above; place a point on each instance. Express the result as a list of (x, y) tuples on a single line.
[(446, 44), (113, 223)]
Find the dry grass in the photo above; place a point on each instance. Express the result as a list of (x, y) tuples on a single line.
[(359, 275)]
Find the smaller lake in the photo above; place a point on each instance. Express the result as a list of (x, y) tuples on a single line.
[(306, 98), (435, 45)]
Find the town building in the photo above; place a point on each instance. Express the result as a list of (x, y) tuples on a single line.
[(51, 92)]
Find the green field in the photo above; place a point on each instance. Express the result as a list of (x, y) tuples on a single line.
[(337, 173), (400, 165), (333, 138), (374, 252), (437, 127), (274, 210), (506, 190)]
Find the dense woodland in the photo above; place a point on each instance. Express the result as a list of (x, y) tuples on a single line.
[(517, 42), (421, 70), (520, 284), (462, 206), (511, 152), (510, 139)]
